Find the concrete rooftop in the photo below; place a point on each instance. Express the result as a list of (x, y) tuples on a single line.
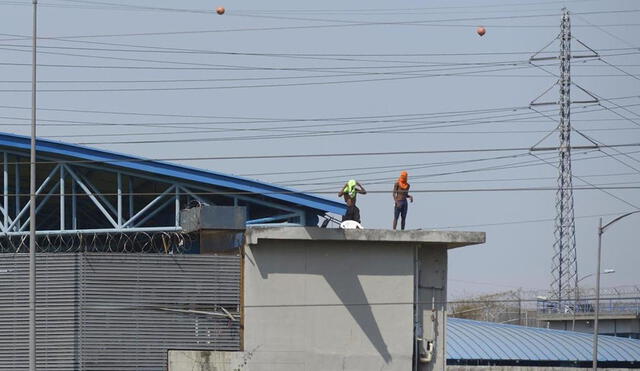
[(447, 239)]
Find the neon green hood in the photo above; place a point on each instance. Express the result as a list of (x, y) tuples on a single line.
[(350, 189)]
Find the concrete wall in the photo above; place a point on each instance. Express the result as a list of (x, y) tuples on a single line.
[(432, 296), (312, 305), (194, 360)]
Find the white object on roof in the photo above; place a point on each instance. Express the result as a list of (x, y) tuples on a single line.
[(351, 224)]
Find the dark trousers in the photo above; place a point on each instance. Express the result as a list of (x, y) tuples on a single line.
[(400, 209), (353, 213)]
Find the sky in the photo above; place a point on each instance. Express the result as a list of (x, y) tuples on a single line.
[(166, 79)]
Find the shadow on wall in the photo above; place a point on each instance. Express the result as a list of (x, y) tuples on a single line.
[(341, 269)]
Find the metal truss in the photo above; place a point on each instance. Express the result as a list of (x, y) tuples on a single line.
[(82, 198), (565, 265), (564, 270)]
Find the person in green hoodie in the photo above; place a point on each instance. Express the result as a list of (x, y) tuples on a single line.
[(350, 191)]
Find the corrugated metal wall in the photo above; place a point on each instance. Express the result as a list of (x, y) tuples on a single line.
[(118, 311), (56, 318)]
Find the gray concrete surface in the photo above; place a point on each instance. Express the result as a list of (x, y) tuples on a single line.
[(432, 297), (329, 299), (446, 239), (196, 360), (314, 305)]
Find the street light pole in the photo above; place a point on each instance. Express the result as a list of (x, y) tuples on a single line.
[(601, 230), (32, 203), (595, 322), (575, 309)]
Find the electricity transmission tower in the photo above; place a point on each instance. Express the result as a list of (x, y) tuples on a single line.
[(564, 271)]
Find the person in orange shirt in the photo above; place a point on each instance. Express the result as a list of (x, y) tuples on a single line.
[(400, 196)]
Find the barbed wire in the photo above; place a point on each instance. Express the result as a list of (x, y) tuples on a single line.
[(164, 242)]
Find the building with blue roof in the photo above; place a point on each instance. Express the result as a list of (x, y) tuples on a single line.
[(130, 267), (86, 191), (477, 343)]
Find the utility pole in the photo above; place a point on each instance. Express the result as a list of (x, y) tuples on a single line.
[(601, 229), (32, 204)]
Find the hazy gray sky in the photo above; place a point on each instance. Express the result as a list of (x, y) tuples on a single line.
[(291, 77)]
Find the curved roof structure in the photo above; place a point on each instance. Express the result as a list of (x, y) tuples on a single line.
[(494, 343), (181, 172), (84, 190)]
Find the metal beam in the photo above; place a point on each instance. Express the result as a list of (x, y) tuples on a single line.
[(119, 185), (41, 204), (17, 188), (96, 192), (196, 197), (5, 198), (149, 205), (240, 197), (130, 197), (177, 204), (74, 206), (62, 211), (156, 211), (273, 218), (91, 196), (37, 192)]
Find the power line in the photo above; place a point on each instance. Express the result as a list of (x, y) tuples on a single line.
[(121, 6), (412, 75), (305, 119), (240, 193), (309, 122), (385, 10), (525, 221), (340, 56), (203, 80), (346, 23), (483, 132), (609, 33), (512, 165), (325, 181), (330, 155), (603, 189)]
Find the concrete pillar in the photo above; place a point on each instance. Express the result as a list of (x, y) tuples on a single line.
[(432, 296)]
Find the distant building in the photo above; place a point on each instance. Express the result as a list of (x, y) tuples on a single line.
[(475, 346), (619, 313)]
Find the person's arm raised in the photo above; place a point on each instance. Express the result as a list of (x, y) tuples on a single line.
[(341, 193), (361, 190)]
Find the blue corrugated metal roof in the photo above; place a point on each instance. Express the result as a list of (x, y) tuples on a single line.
[(476, 340), (185, 173)]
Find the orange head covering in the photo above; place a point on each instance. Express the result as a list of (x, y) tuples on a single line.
[(402, 181)]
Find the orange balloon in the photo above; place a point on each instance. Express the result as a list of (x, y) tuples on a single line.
[(220, 10), (481, 31)]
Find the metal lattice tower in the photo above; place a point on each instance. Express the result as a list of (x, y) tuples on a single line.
[(564, 270), (565, 266)]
